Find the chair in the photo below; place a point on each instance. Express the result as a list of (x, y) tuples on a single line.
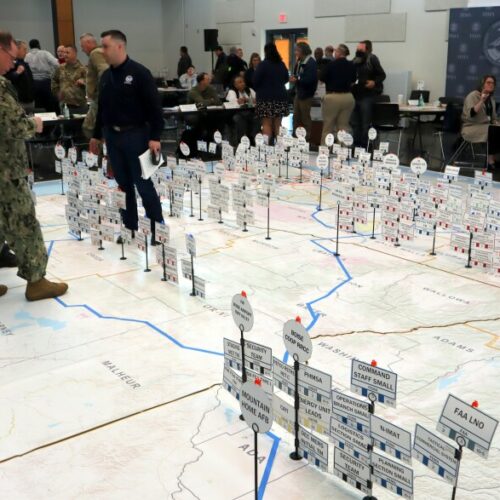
[(415, 95), (450, 122), (493, 144), (386, 119)]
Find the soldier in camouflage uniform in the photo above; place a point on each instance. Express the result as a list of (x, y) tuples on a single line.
[(18, 221), (68, 82), (96, 67)]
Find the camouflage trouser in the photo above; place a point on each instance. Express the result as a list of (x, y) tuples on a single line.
[(20, 227)]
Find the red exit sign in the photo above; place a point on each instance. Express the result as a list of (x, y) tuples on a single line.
[(282, 17)]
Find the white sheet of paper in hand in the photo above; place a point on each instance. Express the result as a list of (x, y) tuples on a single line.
[(147, 167)]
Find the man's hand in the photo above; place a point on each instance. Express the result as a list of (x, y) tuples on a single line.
[(155, 147), (369, 84), (484, 96), (80, 82), (94, 146), (38, 124), (20, 70), (292, 79)]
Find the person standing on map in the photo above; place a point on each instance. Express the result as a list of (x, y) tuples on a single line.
[(130, 120), (18, 222)]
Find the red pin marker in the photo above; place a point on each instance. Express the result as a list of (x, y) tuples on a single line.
[(373, 363), (475, 404), (244, 294), (258, 381), (298, 320)]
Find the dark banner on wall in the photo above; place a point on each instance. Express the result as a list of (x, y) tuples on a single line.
[(473, 49)]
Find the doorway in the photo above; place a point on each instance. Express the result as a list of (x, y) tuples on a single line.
[(285, 41)]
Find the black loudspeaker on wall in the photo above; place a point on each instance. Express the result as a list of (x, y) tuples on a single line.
[(211, 39)]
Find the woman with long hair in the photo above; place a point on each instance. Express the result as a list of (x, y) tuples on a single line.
[(252, 65), (269, 82)]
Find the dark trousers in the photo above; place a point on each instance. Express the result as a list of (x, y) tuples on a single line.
[(44, 98), (124, 149), (361, 120)]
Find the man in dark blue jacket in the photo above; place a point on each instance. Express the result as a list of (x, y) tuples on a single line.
[(130, 120), (305, 80)]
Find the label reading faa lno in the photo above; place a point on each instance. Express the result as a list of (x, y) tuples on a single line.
[(460, 420), (367, 379)]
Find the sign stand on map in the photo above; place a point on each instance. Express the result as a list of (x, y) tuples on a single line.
[(299, 345), (268, 212), (257, 411), (162, 233), (376, 384), (200, 180), (191, 249), (372, 135), (329, 141), (60, 153), (322, 162), (469, 427), (337, 254), (144, 231), (242, 313)]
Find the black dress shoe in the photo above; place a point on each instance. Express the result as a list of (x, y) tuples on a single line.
[(7, 258)]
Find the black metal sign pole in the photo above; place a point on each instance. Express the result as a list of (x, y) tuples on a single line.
[(199, 182), (191, 194), (220, 216), (243, 368), (147, 270), (338, 224), (268, 213), (372, 237), (123, 249), (433, 251), (286, 164), (100, 241), (320, 188), (458, 457), (469, 256), (164, 265), (171, 198), (295, 455), (255, 429), (371, 409), (193, 292)]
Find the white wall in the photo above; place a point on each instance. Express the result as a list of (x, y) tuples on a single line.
[(141, 21), (27, 19), (424, 51)]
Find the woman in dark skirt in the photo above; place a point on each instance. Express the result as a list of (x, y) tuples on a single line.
[(269, 82)]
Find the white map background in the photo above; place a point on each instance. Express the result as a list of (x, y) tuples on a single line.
[(71, 428)]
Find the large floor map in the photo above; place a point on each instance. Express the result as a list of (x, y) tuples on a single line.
[(114, 391)]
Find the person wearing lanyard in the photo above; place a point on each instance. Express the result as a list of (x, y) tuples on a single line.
[(338, 103), (130, 120)]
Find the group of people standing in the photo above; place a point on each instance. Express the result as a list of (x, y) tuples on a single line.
[(351, 89)]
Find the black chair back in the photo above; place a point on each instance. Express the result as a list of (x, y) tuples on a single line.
[(385, 115), (382, 98), (494, 139), (415, 94)]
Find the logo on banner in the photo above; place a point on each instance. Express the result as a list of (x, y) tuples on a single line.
[(491, 44)]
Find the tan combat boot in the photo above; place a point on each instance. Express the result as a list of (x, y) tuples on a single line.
[(3, 290), (44, 289)]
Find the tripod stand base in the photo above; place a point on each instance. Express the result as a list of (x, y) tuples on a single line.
[(296, 455)]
